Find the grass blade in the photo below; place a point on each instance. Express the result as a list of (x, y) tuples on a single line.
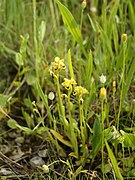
[(71, 25), (113, 161), (61, 138), (112, 17), (45, 101), (129, 78)]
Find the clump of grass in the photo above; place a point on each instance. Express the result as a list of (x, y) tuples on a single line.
[(89, 117)]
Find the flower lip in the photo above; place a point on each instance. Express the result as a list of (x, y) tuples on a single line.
[(68, 83), (79, 90)]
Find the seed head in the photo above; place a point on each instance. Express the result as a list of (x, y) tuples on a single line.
[(102, 78)]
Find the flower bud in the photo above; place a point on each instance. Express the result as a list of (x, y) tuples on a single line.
[(84, 4), (114, 84), (103, 92), (124, 37), (45, 168)]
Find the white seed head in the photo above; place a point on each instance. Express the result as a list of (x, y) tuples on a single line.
[(102, 78), (93, 9)]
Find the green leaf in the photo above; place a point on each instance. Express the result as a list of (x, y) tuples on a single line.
[(18, 59), (131, 173), (71, 25), (23, 47), (45, 100), (96, 140), (60, 138), (113, 161), (3, 100), (25, 129), (41, 32), (77, 172), (112, 17), (12, 124), (131, 14), (129, 140), (129, 78)]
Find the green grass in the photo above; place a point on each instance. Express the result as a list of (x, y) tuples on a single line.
[(89, 126)]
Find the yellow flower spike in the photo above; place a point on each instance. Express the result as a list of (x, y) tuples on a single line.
[(103, 93), (68, 83), (79, 90)]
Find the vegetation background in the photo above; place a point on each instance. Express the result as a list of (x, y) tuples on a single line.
[(67, 89)]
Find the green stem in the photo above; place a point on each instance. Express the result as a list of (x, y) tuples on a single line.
[(102, 108), (72, 134), (81, 19), (35, 37), (82, 123), (122, 87), (69, 108), (61, 107)]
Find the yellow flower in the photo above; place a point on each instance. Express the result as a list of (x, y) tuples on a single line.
[(79, 90), (68, 83), (57, 65), (103, 92)]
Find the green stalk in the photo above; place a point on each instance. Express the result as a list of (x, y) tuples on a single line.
[(71, 132), (69, 108), (70, 65), (123, 81), (102, 123), (82, 123), (35, 37), (62, 111), (81, 18)]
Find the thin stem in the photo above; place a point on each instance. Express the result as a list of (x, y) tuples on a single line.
[(69, 108), (82, 124), (35, 36), (72, 133), (81, 19), (62, 111), (102, 108), (121, 93)]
